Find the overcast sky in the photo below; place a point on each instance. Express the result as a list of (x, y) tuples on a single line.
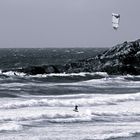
[(67, 23)]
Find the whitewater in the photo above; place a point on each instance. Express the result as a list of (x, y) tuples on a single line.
[(40, 107)]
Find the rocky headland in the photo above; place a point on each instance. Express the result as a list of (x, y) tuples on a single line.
[(119, 60)]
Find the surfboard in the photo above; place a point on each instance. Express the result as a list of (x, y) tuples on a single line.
[(75, 110)]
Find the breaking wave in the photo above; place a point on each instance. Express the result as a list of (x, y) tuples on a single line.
[(69, 116), (10, 127), (80, 100), (116, 135), (82, 74)]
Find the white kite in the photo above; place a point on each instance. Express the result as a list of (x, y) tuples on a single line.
[(115, 20)]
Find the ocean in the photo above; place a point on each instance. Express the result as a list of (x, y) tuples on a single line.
[(40, 107)]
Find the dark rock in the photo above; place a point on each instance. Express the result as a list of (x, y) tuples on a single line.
[(45, 69), (121, 59)]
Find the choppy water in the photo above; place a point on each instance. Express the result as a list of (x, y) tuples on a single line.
[(41, 107)]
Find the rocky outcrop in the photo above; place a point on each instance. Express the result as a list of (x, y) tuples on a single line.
[(121, 59), (43, 69)]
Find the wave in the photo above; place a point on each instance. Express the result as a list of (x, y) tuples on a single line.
[(102, 135), (13, 73), (116, 135), (82, 74), (89, 116), (10, 127), (68, 116), (96, 79), (47, 115), (81, 100)]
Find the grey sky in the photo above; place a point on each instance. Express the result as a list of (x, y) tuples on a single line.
[(67, 23)]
